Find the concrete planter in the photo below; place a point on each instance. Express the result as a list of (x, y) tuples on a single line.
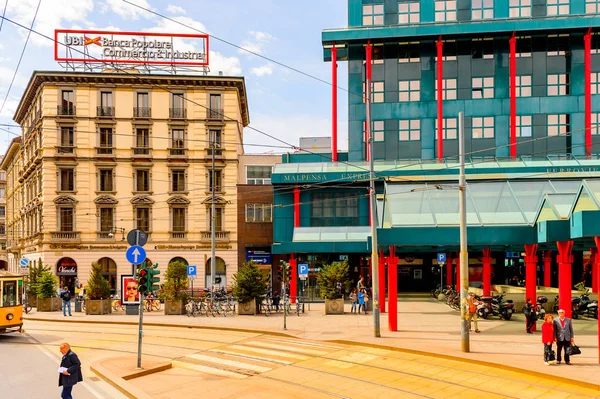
[(248, 308), (98, 307), (49, 304), (174, 307), (334, 306)]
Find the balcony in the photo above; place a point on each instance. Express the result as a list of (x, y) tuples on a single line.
[(177, 113), (142, 112), (65, 150), (102, 111), (178, 235), (105, 151), (220, 236), (105, 235), (218, 152), (178, 153), (141, 152), (65, 236), (65, 110), (215, 114)]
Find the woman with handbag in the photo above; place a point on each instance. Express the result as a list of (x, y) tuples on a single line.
[(548, 339)]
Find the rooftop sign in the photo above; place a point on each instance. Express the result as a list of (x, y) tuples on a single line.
[(95, 46)]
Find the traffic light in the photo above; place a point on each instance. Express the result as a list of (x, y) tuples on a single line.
[(280, 273), (153, 271), (288, 272), (142, 279)]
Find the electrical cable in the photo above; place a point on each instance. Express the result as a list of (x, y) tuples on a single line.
[(3, 14)]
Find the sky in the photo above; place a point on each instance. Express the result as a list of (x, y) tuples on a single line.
[(282, 102)]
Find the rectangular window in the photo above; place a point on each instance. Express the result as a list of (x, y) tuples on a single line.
[(68, 101), (219, 214), (258, 174), (142, 141), (558, 84), (259, 213), (65, 219), (410, 129), (408, 52), (106, 141), (105, 177), (214, 138), (595, 120), (524, 47), (178, 180), (67, 140), (450, 129), (448, 89), (334, 209), (482, 9), (106, 99), (558, 124), (524, 126), (142, 180), (450, 50), (482, 87), (67, 179), (143, 100), (218, 181), (377, 92), (483, 128), (445, 10), (177, 106), (483, 48), (372, 14), (523, 86), (378, 130), (595, 78), (409, 13), (409, 90), (107, 220), (557, 45), (519, 8), (215, 111), (177, 142), (592, 6), (557, 7), (178, 101), (142, 219), (178, 215), (2, 211)]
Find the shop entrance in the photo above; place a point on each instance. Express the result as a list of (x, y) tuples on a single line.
[(66, 270)]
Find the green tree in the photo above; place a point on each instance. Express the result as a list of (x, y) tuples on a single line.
[(249, 283), (176, 282), (46, 285), (97, 287), (329, 277), (35, 273)]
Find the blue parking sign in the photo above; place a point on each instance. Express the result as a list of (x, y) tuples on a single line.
[(303, 269), (441, 257), (191, 270)]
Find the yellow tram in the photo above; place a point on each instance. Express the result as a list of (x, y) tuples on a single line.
[(11, 302)]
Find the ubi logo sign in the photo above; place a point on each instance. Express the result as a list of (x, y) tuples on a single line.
[(82, 40)]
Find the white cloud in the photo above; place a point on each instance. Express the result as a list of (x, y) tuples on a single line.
[(177, 26), (256, 43), (9, 108), (128, 11), (230, 66), (173, 9), (263, 70), (261, 36)]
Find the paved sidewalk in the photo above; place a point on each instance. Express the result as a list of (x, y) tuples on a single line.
[(424, 325)]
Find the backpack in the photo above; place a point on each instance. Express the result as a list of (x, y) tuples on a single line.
[(66, 296)]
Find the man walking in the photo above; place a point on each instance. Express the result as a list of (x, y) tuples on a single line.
[(563, 336), (66, 298), (473, 303), (70, 371), (530, 316)]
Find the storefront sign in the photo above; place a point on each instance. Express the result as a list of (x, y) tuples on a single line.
[(66, 271), (259, 257), (95, 46)]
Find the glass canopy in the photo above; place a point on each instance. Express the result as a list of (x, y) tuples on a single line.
[(331, 234)]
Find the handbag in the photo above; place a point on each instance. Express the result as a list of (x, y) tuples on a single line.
[(573, 350), (550, 355)]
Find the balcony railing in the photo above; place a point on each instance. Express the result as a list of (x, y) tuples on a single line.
[(178, 235), (105, 235), (177, 113), (215, 113), (178, 152), (105, 150), (65, 150), (141, 151), (142, 112), (65, 110), (105, 111), (65, 235), (218, 152), (221, 236)]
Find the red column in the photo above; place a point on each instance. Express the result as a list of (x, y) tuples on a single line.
[(334, 155), (548, 268), (449, 270), (597, 283), (296, 207), (594, 261), (382, 260), (440, 106), (487, 271), (294, 278), (368, 72), (565, 284), (513, 95), (393, 290), (457, 286), (587, 60), (530, 274)]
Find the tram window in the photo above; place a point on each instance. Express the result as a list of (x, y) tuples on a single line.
[(9, 293)]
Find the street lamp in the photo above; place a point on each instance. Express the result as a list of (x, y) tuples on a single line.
[(111, 234)]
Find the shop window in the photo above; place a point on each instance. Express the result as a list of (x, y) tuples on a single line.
[(334, 209)]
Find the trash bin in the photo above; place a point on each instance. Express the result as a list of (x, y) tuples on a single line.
[(77, 305)]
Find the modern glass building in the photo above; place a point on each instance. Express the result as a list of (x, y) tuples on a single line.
[(526, 74)]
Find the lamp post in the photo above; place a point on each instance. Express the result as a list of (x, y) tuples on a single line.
[(464, 254)]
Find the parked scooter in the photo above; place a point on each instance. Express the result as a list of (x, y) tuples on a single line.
[(540, 312), (496, 306), (581, 306)]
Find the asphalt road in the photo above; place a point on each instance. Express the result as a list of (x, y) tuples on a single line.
[(29, 370)]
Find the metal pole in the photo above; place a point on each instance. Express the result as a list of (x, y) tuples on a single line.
[(464, 254), (284, 306), (373, 198), (441, 276), (213, 260), (141, 333)]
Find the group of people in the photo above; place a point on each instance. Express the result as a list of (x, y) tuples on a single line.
[(559, 331), (359, 297)]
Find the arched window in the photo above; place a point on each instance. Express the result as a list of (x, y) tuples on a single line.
[(109, 271), (220, 273), (179, 259)]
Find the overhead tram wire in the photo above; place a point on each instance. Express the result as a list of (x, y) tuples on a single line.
[(22, 52), (141, 78), (3, 14)]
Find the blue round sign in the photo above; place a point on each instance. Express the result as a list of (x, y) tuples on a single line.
[(135, 255), (24, 262)]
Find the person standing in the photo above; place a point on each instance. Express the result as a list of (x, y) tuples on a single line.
[(361, 284), (472, 304), (361, 301), (548, 337), (530, 316), (69, 371), (563, 336), (354, 299), (65, 295)]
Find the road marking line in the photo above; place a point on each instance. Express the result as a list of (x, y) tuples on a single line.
[(243, 355), (208, 370), (232, 363), (303, 343), (310, 352), (263, 351)]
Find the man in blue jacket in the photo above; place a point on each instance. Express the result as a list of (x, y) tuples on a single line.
[(72, 375)]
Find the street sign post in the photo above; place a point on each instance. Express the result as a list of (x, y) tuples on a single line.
[(303, 271), (191, 273), (135, 255), (24, 262), (137, 237), (441, 258)]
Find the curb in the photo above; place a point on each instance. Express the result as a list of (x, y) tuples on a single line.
[(118, 383), (552, 377)]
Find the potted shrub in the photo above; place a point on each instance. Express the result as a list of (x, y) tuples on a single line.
[(174, 288), (249, 287), (46, 285), (331, 279), (98, 292), (33, 281)]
